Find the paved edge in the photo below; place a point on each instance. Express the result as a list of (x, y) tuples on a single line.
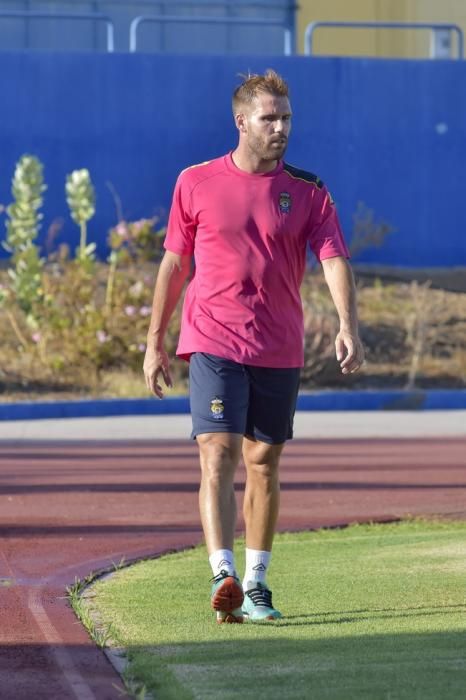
[(116, 655), (312, 425), (390, 400)]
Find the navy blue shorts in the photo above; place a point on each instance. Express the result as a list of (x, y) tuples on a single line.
[(228, 397)]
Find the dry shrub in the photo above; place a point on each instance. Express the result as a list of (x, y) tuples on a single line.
[(416, 335), (320, 329), (421, 326), (411, 331), (367, 232)]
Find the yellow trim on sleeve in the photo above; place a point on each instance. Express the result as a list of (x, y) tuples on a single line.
[(196, 165), (303, 179)]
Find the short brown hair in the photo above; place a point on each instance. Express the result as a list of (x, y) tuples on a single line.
[(253, 84)]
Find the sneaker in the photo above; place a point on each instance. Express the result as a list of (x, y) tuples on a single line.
[(227, 597), (235, 616), (257, 605)]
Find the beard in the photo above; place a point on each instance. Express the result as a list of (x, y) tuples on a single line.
[(268, 149)]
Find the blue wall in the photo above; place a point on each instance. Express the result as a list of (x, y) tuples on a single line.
[(389, 133)]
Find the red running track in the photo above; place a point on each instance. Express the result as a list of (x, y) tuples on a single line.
[(68, 509)]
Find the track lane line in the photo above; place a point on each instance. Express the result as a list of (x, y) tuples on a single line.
[(78, 685), (63, 660)]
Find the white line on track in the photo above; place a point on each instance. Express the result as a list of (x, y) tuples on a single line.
[(78, 685)]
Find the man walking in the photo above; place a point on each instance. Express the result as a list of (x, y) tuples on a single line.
[(247, 219)]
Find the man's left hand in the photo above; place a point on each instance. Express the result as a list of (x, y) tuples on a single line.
[(350, 352)]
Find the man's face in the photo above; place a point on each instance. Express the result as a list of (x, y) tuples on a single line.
[(266, 125)]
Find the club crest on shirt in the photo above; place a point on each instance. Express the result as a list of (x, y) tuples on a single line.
[(284, 202), (217, 408)]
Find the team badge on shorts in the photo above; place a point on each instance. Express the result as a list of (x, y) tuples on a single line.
[(217, 408), (285, 202)]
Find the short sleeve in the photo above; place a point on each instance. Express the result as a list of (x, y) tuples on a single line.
[(181, 228), (325, 235)]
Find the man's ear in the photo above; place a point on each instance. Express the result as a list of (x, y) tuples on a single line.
[(241, 123)]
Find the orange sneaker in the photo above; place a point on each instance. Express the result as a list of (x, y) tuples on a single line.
[(227, 598)]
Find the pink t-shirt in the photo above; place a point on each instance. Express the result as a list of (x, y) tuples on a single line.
[(248, 234)]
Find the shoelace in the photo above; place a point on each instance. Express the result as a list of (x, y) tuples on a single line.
[(220, 576), (260, 596)]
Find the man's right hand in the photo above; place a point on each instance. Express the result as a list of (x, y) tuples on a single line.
[(156, 362)]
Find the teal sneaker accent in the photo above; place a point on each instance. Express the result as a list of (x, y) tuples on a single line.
[(257, 605), (227, 598)]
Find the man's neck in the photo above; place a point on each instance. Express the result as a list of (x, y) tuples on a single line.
[(250, 163)]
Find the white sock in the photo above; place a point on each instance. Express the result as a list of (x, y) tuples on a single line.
[(222, 559), (257, 562)]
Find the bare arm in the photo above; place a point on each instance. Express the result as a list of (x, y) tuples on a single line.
[(340, 281), (173, 272)]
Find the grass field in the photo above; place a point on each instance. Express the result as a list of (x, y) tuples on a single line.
[(369, 612)]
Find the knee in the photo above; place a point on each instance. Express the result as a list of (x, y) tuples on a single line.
[(265, 472), (218, 461), (262, 462)]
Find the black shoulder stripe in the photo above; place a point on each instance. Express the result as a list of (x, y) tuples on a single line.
[(303, 175)]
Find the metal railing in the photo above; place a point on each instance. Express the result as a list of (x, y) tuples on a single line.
[(97, 17), (311, 28), (191, 19)]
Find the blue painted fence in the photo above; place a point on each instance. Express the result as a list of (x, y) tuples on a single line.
[(389, 133)]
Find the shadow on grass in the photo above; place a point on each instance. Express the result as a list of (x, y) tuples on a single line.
[(337, 618), (371, 666), (375, 611)]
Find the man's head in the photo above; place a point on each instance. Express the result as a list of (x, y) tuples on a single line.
[(262, 114)]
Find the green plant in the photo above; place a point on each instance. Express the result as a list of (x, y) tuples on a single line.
[(80, 195), (132, 243), (137, 240), (119, 565), (83, 315), (24, 289), (98, 633)]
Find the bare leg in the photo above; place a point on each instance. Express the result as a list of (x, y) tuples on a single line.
[(262, 494), (219, 455)]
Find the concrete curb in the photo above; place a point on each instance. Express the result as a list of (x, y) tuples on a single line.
[(393, 400)]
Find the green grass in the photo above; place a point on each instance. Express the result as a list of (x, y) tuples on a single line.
[(369, 612)]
